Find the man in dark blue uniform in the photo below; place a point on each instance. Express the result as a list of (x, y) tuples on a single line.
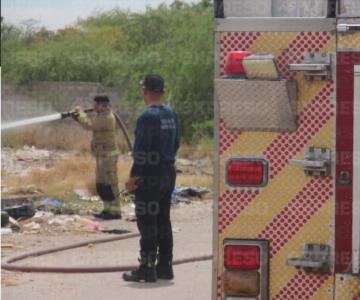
[(152, 178)]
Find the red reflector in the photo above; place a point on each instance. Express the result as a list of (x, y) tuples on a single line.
[(242, 257), (234, 62), (245, 172)]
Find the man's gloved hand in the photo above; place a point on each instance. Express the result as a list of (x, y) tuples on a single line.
[(75, 115)]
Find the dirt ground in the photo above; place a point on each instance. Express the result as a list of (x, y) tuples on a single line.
[(192, 226)]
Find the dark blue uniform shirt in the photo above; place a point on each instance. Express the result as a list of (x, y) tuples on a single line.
[(156, 138)]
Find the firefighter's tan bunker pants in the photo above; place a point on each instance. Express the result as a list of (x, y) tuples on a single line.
[(107, 182)]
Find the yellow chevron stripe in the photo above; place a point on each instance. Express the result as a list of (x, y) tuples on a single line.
[(273, 42), (326, 291), (347, 287), (349, 40), (317, 230)]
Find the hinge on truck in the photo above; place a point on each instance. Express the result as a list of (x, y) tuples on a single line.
[(317, 161), (316, 259), (316, 66)]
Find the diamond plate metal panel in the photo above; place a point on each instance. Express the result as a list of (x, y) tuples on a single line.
[(350, 8), (296, 8), (257, 104)]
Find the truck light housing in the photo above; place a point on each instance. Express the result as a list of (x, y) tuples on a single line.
[(246, 269), (247, 172)]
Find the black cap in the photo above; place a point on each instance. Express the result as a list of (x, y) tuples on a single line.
[(102, 99), (153, 83)]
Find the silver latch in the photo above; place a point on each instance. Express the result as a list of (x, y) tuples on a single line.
[(316, 259), (316, 66), (317, 161), (348, 27)]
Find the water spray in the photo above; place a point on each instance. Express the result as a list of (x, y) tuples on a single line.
[(64, 115), (44, 119)]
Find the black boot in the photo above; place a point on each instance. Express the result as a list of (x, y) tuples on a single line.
[(106, 215), (164, 268), (146, 272)]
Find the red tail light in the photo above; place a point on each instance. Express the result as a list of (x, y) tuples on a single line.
[(234, 62), (242, 257), (243, 172)]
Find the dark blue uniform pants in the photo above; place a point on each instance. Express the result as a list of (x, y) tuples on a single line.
[(152, 208)]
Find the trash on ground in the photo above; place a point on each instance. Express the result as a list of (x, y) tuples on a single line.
[(50, 223), (31, 154), (32, 226), (4, 218), (49, 202), (20, 211), (85, 196), (14, 224), (185, 191), (43, 215), (5, 231)]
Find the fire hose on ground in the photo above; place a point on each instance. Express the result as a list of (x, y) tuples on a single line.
[(8, 264)]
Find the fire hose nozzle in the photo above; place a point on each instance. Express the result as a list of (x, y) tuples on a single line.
[(68, 114)]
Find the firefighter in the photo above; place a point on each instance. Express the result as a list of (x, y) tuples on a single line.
[(152, 178), (105, 148)]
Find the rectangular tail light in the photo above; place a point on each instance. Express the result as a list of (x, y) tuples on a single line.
[(246, 269), (242, 257), (247, 172)]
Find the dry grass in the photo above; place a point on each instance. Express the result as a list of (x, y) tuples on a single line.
[(76, 172)]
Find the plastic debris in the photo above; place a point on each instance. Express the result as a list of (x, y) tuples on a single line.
[(83, 195), (52, 202), (184, 191), (14, 224), (43, 214), (32, 226), (90, 224), (5, 231)]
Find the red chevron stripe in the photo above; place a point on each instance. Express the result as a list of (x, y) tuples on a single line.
[(302, 286), (297, 213)]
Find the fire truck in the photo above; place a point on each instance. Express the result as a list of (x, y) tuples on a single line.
[(287, 134)]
